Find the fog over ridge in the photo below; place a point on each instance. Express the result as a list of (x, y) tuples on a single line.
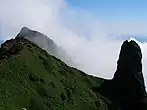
[(86, 39)]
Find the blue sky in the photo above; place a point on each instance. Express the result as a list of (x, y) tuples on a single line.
[(127, 15), (113, 9)]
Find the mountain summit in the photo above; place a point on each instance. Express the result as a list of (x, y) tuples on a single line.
[(45, 43)]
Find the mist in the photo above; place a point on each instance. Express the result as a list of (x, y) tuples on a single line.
[(90, 42)]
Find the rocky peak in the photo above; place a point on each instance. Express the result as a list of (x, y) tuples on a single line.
[(45, 43), (127, 88), (130, 57), (38, 38), (6, 46), (25, 29), (128, 82), (26, 32)]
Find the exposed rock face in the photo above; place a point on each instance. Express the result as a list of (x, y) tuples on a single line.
[(127, 88), (7, 45), (128, 82)]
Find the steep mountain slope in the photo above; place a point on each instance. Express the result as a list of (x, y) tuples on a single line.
[(45, 43), (31, 78)]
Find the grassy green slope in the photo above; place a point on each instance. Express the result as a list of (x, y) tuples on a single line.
[(30, 78)]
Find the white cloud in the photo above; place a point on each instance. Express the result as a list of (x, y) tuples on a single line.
[(84, 38)]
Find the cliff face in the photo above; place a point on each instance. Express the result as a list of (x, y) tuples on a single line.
[(127, 88)]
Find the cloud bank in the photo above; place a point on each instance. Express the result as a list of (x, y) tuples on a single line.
[(90, 42)]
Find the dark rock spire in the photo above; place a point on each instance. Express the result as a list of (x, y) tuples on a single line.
[(127, 88), (128, 82)]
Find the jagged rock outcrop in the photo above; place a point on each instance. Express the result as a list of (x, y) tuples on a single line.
[(7, 45), (128, 82), (127, 88), (10, 47)]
